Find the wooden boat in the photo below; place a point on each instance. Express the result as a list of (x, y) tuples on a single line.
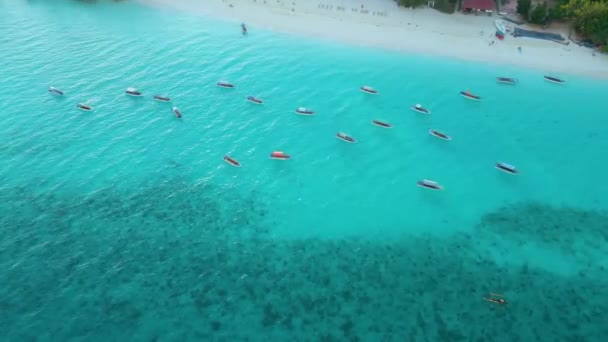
[(344, 137), (161, 98), (467, 94), (506, 80), (177, 112), (429, 184), (232, 161), (133, 92), (305, 111), (554, 80), (225, 84), (55, 91), (507, 168), (255, 100), (382, 124), (278, 155), (369, 90), (84, 107), (418, 108), (439, 135)]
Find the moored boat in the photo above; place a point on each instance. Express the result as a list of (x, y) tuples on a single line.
[(225, 84), (470, 96), (345, 137), (418, 108), (161, 98), (507, 168), (84, 107), (382, 124), (554, 79), (305, 111), (133, 92), (278, 155), (177, 112), (369, 90), (232, 161), (439, 135), (254, 99), (506, 80), (55, 91), (429, 184)]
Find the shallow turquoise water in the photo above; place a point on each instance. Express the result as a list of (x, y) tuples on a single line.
[(125, 222)]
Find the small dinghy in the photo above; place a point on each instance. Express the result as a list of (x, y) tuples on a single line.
[(305, 111), (133, 92), (161, 98), (429, 184), (369, 90), (382, 124), (225, 84), (439, 135), (418, 108), (344, 137), (232, 161), (507, 168), (554, 80), (506, 80), (55, 91), (177, 112), (255, 100), (84, 107), (279, 155), (470, 96)]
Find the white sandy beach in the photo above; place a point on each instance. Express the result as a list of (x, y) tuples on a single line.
[(385, 25)]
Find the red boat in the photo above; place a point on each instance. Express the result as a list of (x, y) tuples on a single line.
[(345, 137), (305, 111), (232, 161), (177, 112), (254, 99), (468, 95), (225, 84), (279, 155), (369, 90), (429, 184), (84, 107), (382, 124), (439, 135)]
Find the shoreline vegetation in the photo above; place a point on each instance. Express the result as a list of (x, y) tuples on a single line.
[(388, 25)]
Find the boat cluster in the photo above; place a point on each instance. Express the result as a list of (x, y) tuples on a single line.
[(279, 155)]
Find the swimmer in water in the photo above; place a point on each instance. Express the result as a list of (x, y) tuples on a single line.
[(496, 299), (244, 28)]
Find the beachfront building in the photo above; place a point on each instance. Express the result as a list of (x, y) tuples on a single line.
[(477, 6)]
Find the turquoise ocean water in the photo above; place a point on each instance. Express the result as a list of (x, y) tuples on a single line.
[(124, 223)]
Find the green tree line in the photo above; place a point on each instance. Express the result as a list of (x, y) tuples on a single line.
[(590, 17)]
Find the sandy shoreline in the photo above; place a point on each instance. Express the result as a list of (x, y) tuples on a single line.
[(387, 26)]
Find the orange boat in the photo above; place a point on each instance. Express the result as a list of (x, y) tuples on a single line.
[(279, 155)]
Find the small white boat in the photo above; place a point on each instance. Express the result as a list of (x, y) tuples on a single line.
[(177, 112), (554, 80), (369, 90), (418, 108), (345, 137), (133, 92), (55, 91), (305, 111), (500, 26), (225, 84), (429, 184), (84, 107), (439, 135), (507, 168), (161, 98), (278, 155), (255, 100)]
